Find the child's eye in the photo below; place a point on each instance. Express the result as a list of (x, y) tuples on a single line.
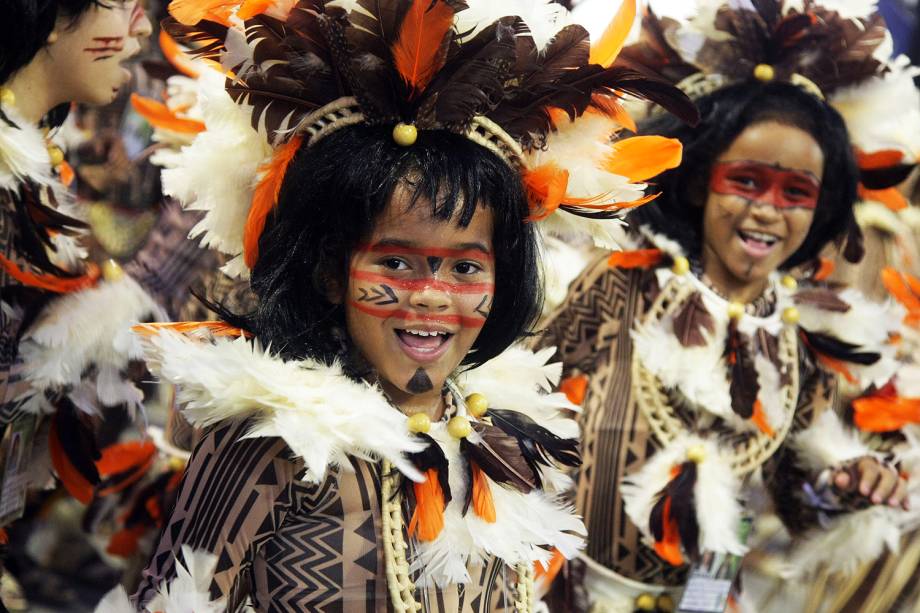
[(467, 268), (395, 264), (744, 181)]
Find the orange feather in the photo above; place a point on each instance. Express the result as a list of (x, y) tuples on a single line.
[(51, 283), (265, 198), (668, 548), (611, 106), (884, 413), (124, 543), (546, 575), (251, 8), (66, 173), (483, 504), (906, 290), (217, 328), (175, 56), (159, 116), (190, 12), (884, 158), (608, 46), (418, 50), (575, 388), (760, 419), (642, 157), (546, 186), (640, 258), (428, 516), (75, 483), (890, 197), (826, 268)]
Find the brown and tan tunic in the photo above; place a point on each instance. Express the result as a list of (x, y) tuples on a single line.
[(592, 331)]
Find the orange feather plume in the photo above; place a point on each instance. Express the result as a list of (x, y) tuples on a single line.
[(124, 543), (51, 283), (884, 158), (546, 575), (136, 456), (608, 46), (265, 198), (885, 413), (546, 186), (759, 417), (418, 52), (66, 173), (251, 8), (216, 328), (611, 107), (428, 516), (483, 504), (575, 388), (890, 197), (640, 258), (175, 56), (642, 157), (74, 482), (190, 12), (668, 548), (159, 116), (825, 269), (905, 289)]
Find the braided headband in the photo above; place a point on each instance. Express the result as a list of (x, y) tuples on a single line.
[(702, 84), (346, 111)]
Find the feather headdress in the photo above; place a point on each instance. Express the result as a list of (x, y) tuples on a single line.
[(516, 79)]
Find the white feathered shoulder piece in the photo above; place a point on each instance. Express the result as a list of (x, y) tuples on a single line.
[(493, 466), (23, 153)]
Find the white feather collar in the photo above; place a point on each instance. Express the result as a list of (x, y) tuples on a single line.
[(23, 153), (323, 416)]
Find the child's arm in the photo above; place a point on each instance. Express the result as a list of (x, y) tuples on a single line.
[(229, 503)]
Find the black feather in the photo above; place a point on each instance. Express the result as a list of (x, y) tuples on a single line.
[(743, 387), (77, 441), (204, 40), (539, 446), (840, 350), (431, 457), (883, 178), (500, 458), (854, 249), (680, 491)]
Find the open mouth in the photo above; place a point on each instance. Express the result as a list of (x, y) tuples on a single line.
[(757, 244), (423, 345)]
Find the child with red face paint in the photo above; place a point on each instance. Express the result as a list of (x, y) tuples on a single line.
[(706, 371), (374, 439)]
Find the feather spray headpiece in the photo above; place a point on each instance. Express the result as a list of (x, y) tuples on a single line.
[(516, 77)]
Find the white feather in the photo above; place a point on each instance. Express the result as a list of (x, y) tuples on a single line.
[(544, 18), (716, 494), (827, 443), (848, 9), (321, 414), (189, 591), (23, 153), (90, 327), (217, 172), (115, 601)]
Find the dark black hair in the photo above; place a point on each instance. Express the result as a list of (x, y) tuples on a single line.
[(332, 195), (725, 114), (26, 25)]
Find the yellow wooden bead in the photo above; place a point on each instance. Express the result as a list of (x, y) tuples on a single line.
[(681, 266), (696, 454), (459, 426), (645, 602), (477, 405), (112, 271), (764, 72), (665, 603), (419, 423), (735, 310), (405, 134), (56, 155), (7, 97), (790, 283), (791, 316), (175, 463)]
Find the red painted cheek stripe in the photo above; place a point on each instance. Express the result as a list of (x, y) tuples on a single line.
[(424, 283), (473, 254), (412, 316)]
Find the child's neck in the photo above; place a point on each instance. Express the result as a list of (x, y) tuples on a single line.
[(431, 403)]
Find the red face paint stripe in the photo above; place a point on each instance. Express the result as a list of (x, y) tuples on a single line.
[(473, 254), (419, 284), (766, 184), (412, 316)]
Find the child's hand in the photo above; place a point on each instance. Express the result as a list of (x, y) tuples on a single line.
[(877, 481)]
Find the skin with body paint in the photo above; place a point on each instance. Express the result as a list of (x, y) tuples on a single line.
[(84, 61), (763, 190), (419, 292)]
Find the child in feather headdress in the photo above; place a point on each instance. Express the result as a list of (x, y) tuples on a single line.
[(700, 359), (374, 440)]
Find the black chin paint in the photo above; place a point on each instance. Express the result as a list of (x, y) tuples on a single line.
[(420, 382)]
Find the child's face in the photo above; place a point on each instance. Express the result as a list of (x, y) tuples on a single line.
[(419, 292), (88, 57)]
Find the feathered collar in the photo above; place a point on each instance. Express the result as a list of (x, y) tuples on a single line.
[(324, 417), (23, 153), (700, 333)]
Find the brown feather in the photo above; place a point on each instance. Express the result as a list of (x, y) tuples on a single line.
[(822, 297), (743, 387), (500, 457), (693, 322)]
